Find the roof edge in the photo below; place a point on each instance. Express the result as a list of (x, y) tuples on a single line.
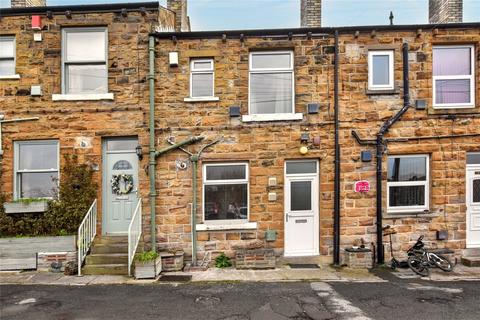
[(314, 31), (104, 7)]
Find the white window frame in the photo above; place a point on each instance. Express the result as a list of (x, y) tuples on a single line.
[(65, 63), (471, 77), (426, 183), (193, 71), (391, 69), (16, 154), (225, 182), (272, 116), (14, 75)]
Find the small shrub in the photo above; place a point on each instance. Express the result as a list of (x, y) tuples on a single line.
[(222, 261), (147, 256)]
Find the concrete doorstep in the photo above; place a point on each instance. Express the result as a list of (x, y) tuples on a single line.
[(285, 273)]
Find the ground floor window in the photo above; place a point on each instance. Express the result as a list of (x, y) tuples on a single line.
[(36, 166), (225, 192), (408, 183)]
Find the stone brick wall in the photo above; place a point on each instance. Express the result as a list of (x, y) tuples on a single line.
[(39, 63), (311, 13), (27, 3), (445, 11), (266, 146)]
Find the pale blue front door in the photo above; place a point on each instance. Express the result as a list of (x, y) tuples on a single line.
[(120, 184)]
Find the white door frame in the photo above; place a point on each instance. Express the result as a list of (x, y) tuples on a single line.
[(469, 176), (106, 180), (314, 177)]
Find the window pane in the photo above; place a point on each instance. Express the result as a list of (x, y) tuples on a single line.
[(202, 65), (38, 156), (407, 196), (476, 190), (38, 185), (300, 195), (226, 202), (473, 158), (202, 85), (380, 69), (6, 48), (451, 61), (85, 46), (87, 79), (226, 172), (271, 93), (7, 67), (271, 60), (121, 144), (301, 167), (452, 91), (407, 169)]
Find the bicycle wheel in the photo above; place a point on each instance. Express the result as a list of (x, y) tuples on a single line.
[(441, 261), (416, 264)]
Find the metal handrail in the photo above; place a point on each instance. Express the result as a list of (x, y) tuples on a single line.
[(134, 233), (86, 233)]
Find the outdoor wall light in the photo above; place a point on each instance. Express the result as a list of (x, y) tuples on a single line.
[(139, 152), (305, 137)]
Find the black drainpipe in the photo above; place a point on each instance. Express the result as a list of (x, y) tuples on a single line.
[(380, 149), (336, 215)]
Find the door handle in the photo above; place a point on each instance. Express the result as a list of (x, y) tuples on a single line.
[(286, 217)]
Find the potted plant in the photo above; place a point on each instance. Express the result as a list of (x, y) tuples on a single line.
[(148, 265), (26, 205)]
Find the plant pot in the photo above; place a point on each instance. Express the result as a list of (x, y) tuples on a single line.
[(25, 207), (148, 270), (172, 261)]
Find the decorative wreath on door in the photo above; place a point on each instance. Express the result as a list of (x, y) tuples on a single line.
[(127, 182)]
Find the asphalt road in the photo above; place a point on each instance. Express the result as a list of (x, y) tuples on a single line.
[(395, 299)]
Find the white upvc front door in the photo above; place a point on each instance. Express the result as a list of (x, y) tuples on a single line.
[(473, 206), (301, 208)]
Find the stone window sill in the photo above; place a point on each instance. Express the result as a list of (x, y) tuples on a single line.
[(371, 92), (420, 214), (453, 107), (201, 99), (82, 97), (272, 117), (10, 77), (227, 226)]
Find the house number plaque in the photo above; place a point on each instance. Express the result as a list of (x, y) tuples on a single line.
[(362, 186)]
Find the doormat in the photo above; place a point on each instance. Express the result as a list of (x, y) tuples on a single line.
[(304, 266), (175, 278)]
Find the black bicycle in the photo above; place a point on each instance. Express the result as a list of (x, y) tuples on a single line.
[(420, 260)]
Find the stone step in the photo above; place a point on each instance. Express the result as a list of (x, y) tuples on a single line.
[(471, 261), (111, 240), (107, 258), (472, 252), (109, 248), (299, 260), (105, 269)]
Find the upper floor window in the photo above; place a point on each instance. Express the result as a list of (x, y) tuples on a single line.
[(225, 192), (408, 183), (453, 77), (201, 78), (380, 70), (84, 61), (7, 56), (36, 168), (271, 84)]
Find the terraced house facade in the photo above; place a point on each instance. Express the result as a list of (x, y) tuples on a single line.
[(306, 141)]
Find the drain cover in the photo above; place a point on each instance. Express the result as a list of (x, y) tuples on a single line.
[(175, 278), (304, 266)]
